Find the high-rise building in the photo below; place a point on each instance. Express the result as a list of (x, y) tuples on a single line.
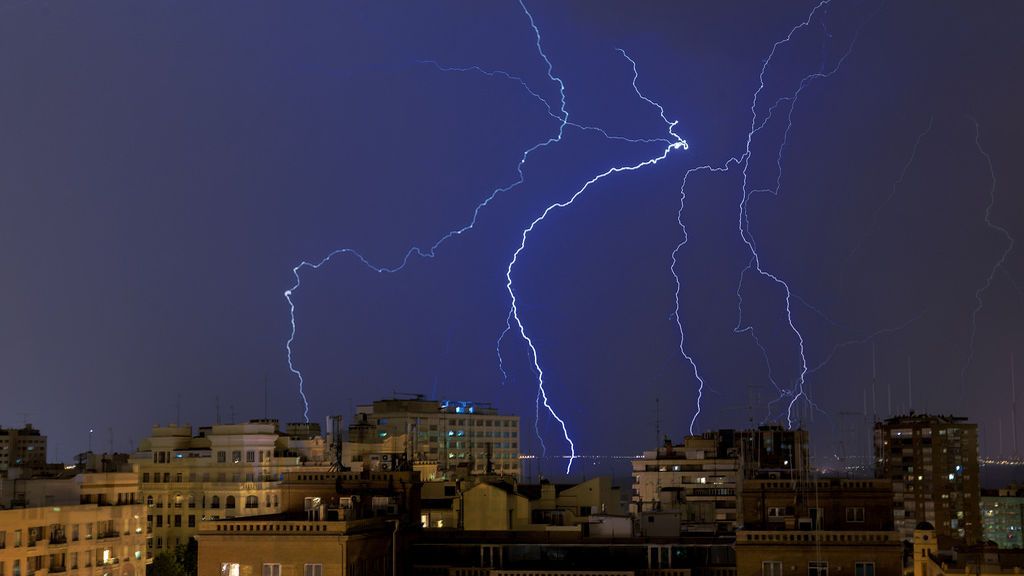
[(933, 464), (224, 471), (442, 435), (22, 448)]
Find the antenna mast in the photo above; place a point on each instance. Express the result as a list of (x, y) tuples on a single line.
[(910, 386), (657, 423), (1013, 407)]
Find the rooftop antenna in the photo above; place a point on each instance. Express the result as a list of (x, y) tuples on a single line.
[(1013, 408), (874, 382), (1000, 453), (266, 397), (888, 386), (867, 447), (910, 386), (657, 422), (752, 398)]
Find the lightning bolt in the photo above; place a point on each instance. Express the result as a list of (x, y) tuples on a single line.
[(562, 116), (797, 392), (431, 251), (516, 323), (1010, 242), (892, 194)]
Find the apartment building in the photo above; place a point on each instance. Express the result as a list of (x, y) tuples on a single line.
[(932, 461), (23, 447), (84, 524), (430, 434), (223, 471), (817, 526), (695, 486), (330, 524), (1002, 516)]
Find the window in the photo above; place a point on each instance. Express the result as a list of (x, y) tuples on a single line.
[(313, 570), (191, 520), (252, 502), (222, 458), (215, 502), (230, 502), (250, 456), (160, 521), (776, 513), (864, 569), (817, 568), (271, 570), (855, 514), (236, 456), (229, 569), (771, 568), (145, 476), (177, 520)]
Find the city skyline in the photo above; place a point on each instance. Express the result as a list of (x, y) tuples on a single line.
[(507, 191)]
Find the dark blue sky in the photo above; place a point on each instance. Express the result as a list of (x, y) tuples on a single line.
[(165, 165)]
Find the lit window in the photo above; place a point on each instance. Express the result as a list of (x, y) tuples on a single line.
[(271, 570), (313, 570), (229, 569), (771, 568)]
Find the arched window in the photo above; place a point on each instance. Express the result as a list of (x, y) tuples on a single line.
[(252, 502), (215, 502), (230, 502), (191, 501)]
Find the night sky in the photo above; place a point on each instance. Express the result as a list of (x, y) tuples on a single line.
[(165, 165)]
